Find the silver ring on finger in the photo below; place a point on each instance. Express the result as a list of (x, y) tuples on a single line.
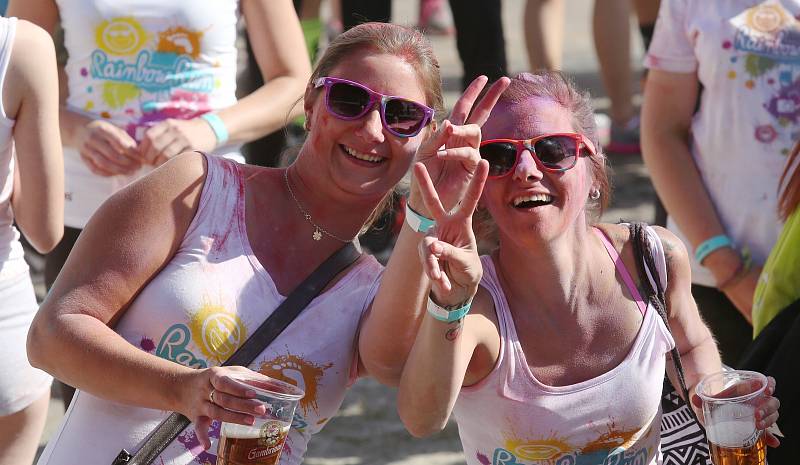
[(211, 395)]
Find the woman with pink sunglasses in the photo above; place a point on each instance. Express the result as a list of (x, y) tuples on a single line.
[(175, 271), (560, 360)]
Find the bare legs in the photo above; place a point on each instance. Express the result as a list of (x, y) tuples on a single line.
[(20, 433), (611, 27), (544, 36), (544, 33)]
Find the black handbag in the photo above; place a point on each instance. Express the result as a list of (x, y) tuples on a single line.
[(281, 317), (683, 438)]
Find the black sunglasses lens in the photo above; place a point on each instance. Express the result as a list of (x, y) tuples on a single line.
[(556, 152), (501, 157), (404, 117), (347, 100)]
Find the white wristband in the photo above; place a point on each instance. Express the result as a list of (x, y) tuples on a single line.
[(448, 315), (418, 222)]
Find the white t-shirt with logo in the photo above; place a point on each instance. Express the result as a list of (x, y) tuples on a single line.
[(137, 62), (746, 54)]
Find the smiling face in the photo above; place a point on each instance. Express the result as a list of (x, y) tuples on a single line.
[(360, 156), (529, 200)]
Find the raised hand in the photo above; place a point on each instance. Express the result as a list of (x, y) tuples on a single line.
[(450, 255), (451, 154)]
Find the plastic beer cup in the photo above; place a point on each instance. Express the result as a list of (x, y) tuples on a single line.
[(729, 409), (262, 442)]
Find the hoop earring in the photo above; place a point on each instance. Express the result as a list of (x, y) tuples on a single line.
[(594, 194)]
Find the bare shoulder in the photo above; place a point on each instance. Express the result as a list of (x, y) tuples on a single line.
[(617, 233), (675, 252), (181, 178), (33, 51), (30, 34), (32, 72)]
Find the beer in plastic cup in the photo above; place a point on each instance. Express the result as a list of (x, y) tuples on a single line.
[(729, 408), (261, 443)]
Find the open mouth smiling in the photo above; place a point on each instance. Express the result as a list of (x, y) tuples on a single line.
[(362, 156), (531, 201)]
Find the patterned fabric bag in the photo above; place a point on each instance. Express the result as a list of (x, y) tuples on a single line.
[(683, 438)]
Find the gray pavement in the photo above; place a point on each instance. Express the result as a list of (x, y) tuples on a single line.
[(367, 429)]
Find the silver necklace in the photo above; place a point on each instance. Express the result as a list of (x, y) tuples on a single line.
[(318, 230)]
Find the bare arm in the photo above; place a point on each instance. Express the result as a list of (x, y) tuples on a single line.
[(282, 57), (400, 302), (693, 339), (666, 118), (441, 362), (127, 242), (443, 351), (38, 197)]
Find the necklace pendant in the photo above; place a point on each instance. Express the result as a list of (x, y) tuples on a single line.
[(317, 235)]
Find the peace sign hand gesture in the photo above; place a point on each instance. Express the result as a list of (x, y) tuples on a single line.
[(451, 154), (450, 256)]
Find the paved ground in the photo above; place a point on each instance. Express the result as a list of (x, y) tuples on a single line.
[(368, 430)]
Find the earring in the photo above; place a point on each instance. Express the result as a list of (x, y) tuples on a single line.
[(594, 194), (306, 125)]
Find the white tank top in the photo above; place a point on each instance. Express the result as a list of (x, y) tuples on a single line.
[(11, 255), (511, 418), (138, 62), (199, 309)]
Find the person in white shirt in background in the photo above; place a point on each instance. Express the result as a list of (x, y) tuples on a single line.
[(31, 194)]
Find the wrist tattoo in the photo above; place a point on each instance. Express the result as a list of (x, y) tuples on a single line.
[(453, 333)]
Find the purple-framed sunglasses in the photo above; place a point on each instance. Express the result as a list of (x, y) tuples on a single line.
[(350, 100)]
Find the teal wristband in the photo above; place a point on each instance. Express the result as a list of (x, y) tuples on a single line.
[(217, 126), (709, 245), (448, 315), (418, 222)]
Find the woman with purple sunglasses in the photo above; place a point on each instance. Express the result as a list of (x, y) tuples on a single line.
[(560, 360), (187, 262)]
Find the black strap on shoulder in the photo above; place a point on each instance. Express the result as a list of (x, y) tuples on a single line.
[(656, 297), (287, 311)]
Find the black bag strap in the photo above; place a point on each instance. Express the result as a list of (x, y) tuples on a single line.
[(287, 311), (656, 297)]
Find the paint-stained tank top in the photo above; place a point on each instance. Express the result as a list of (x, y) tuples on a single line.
[(199, 309), (135, 63), (511, 418)]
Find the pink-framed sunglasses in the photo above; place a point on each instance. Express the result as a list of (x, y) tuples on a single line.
[(349, 100), (554, 153)]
